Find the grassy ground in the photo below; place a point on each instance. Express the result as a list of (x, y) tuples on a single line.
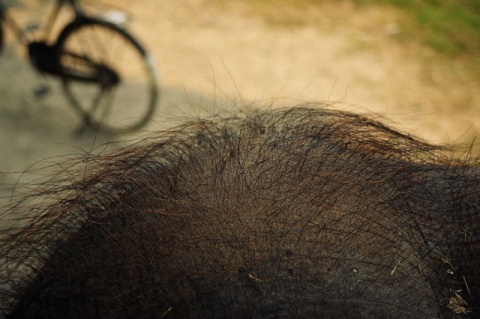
[(450, 28)]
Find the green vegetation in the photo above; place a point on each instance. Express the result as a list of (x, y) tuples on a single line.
[(452, 27)]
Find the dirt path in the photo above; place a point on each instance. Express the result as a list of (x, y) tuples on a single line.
[(217, 57)]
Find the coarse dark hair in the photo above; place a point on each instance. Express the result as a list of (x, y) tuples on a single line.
[(299, 212)]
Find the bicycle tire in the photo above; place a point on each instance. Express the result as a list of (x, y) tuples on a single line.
[(126, 106)]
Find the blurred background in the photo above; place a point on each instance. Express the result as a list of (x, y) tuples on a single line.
[(414, 63)]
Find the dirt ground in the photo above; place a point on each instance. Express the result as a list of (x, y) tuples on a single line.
[(215, 56)]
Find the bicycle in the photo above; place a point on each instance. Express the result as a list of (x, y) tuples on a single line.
[(111, 90)]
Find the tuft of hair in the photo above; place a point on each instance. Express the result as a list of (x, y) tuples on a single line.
[(296, 212)]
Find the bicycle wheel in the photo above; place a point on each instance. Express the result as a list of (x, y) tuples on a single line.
[(124, 104)]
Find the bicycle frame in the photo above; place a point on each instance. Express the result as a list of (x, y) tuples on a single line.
[(52, 52), (51, 20), (43, 54)]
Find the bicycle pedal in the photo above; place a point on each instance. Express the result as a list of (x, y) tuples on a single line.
[(41, 91)]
